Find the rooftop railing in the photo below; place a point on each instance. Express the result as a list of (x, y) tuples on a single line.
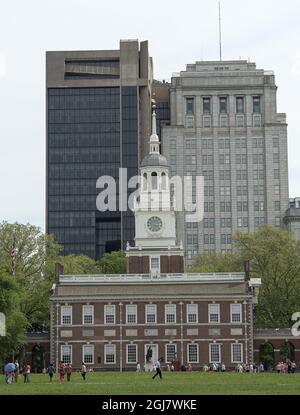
[(188, 277)]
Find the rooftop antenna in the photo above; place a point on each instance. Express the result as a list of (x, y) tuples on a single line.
[(220, 31)]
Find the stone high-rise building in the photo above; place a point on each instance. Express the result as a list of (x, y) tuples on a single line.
[(98, 106), (225, 126)]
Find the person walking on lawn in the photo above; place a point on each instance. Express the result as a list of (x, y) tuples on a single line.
[(69, 371), (83, 370), (158, 370)]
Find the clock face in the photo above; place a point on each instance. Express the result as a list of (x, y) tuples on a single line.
[(154, 224)]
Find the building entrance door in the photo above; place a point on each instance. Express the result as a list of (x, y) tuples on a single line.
[(151, 356)]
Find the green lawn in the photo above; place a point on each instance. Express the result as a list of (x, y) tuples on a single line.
[(194, 383)]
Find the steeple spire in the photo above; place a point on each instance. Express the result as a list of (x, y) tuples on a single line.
[(154, 140)]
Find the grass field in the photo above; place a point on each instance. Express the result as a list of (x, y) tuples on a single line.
[(194, 383)]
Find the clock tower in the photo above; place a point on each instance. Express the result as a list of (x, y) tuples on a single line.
[(156, 250)]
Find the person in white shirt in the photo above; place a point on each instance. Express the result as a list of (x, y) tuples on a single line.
[(157, 367), (83, 370)]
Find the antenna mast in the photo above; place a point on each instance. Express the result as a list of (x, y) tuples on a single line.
[(220, 31)]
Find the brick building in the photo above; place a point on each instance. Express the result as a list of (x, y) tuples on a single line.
[(113, 322)]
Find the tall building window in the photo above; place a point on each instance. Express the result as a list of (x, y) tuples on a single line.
[(190, 106), (207, 121), (259, 206), (88, 314), (236, 353), (236, 313), (173, 144), (225, 222), (193, 353), (206, 105), (171, 350), (277, 205), (88, 353), (66, 353), (242, 222), (214, 313), (131, 313), (66, 315), (226, 239), (225, 207), (110, 314), (257, 104), (150, 313), (110, 353), (192, 313), (214, 353), (277, 190), (170, 313), (131, 353), (240, 105), (223, 105)]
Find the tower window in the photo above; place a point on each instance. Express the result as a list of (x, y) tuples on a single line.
[(145, 181), (163, 181), (154, 180)]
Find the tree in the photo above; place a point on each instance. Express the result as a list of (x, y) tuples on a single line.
[(217, 263), (36, 254), (15, 320), (113, 263), (79, 264), (275, 258)]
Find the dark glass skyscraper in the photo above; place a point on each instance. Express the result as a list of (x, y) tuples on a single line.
[(98, 116)]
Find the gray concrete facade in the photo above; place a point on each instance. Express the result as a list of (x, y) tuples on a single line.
[(225, 126)]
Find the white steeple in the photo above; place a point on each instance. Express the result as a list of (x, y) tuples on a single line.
[(154, 140)]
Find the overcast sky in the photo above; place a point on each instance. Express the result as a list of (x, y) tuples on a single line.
[(266, 31)]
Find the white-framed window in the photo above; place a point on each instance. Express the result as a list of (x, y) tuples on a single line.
[(170, 313), (110, 314), (155, 264), (192, 313), (193, 353), (236, 313), (214, 353), (88, 353), (109, 354), (214, 313), (66, 353), (151, 313), (66, 315), (131, 313), (171, 350), (87, 314), (131, 353), (236, 353)]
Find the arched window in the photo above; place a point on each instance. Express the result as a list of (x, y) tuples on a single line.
[(154, 180), (163, 181), (145, 181)]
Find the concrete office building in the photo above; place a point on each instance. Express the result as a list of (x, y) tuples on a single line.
[(225, 126), (98, 107)]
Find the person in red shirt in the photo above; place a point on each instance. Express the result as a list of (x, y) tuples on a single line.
[(61, 371)]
